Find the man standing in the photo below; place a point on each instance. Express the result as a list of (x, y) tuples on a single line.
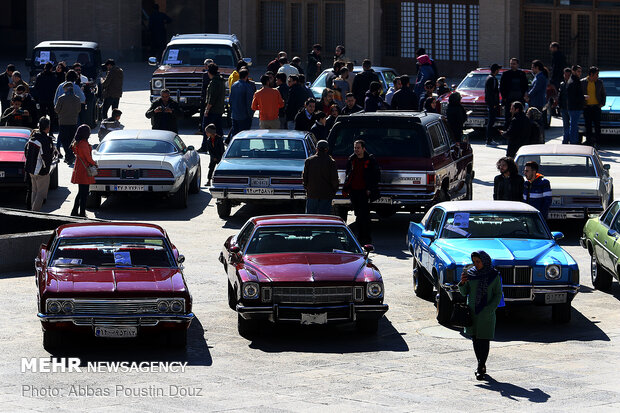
[(304, 119), (44, 90), (39, 153), (351, 106), (275, 64), (68, 107), (296, 63), (296, 98), (267, 101), (512, 86), (558, 64), (283, 88), (112, 87), (536, 189), (491, 98), (241, 95), (575, 97), (6, 80), (333, 74), (215, 148), (286, 68), (518, 132), (508, 185), (163, 113), (405, 99), (362, 81), (595, 100), (214, 99), (563, 104), (314, 63), (361, 185), (392, 90), (16, 115), (320, 178), (373, 101)]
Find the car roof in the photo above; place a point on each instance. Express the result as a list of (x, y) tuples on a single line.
[(421, 117), (556, 149), (297, 219), (110, 229), (59, 44), (488, 71), (487, 205), (160, 135), (609, 73), (272, 134), (375, 68), (204, 38), (15, 132)]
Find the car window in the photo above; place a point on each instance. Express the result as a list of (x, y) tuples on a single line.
[(382, 140), (291, 239), (616, 224), (320, 81), (389, 77), (85, 57), (524, 225), (560, 165), (195, 54), (136, 146), (311, 145), (612, 86), (178, 142), (267, 148), (609, 214), (437, 140), (12, 144), (434, 221), (244, 235)]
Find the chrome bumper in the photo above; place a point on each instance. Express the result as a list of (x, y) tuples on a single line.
[(573, 213), (120, 320), (278, 195), (275, 312), (539, 290)]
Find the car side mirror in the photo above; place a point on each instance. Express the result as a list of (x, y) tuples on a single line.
[(248, 60), (235, 249), (429, 234), (308, 84), (152, 61), (28, 61), (612, 233), (190, 148), (607, 167), (181, 259), (368, 248), (557, 235)]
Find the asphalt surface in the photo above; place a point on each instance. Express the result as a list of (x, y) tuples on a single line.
[(412, 364)]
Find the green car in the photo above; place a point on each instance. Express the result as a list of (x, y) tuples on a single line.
[(601, 237)]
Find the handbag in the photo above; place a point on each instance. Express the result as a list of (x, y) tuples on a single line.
[(461, 315), (90, 170)]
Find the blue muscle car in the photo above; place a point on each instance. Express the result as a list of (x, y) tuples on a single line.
[(533, 267), (610, 112)]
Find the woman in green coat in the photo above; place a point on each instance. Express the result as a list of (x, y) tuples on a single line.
[(482, 286)]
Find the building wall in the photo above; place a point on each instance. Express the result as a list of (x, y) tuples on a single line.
[(499, 31), (362, 31)]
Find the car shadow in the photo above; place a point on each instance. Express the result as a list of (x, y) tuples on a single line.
[(483, 183), (91, 349), (240, 215), (16, 198), (341, 338), (514, 392)]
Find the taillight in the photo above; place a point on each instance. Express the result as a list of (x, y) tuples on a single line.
[(226, 180), (430, 179), (286, 181), (156, 173), (107, 173)]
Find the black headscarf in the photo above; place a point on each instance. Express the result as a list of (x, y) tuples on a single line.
[(484, 276)]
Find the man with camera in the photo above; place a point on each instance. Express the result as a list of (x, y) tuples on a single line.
[(163, 112), (16, 115)]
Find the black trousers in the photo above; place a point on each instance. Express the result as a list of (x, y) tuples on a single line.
[(592, 118), (66, 133), (212, 164), (80, 200), (361, 208), (107, 104), (481, 349)]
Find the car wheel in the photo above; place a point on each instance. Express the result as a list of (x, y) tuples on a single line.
[(601, 278), (194, 187), (561, 313), (367, 326), (422, 286), (342, 212), (232, 297), (52, 340), (223, 208), (247, 328), (93, 201), (179, 199), (444, 307), (54, 179), (176, 339), (469, 185)]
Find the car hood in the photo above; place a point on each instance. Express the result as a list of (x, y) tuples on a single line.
[(612, 103), (565, 185), (131, 160), (310, 267), (258, 166), (115, 281), (12, 156)]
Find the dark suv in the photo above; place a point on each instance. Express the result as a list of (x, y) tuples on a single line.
[(421, 164)]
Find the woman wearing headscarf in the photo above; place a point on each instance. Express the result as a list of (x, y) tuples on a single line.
[(83, 153), (482, 286)]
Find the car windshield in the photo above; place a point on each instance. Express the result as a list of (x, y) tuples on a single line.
[(288, 239), (12, 144), (267, 148), (476, 80), (560, 165), (612, 86), (381, 140), (195, 55), (526, 225), (136, 146), (85, 57), (112, 252)]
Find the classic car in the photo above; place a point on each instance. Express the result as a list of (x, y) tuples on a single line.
[(610, 113), (304, 269), (600, 238), (421, 163), (580, 183), (533, 267), (12, 174), (262, 166), (111, 280), (386, 77), (145, 161)]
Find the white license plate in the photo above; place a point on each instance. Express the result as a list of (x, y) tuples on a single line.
[(383, 200), (556, 215), (320, 318), (259, 191), (476, 122), (131, 188), (556, 200), (610, 131), (555, 298), (259, 182), (116, 332), (2, 174)]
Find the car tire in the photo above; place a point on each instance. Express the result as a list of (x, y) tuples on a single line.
[(179, 199), (601, 278), (54, 179), (247, 328), (422, 287), (52, 340), (342, 212), (224, 207), (561, 313), (93, 201), (177, 339), (232, 297), (367, 326), (444, 307), (194, 187), (469, 187)]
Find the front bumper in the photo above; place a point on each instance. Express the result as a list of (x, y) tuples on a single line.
[(530, 293), (573, 213), (293, 313), (398, 199), (240, 194), (113, 320)]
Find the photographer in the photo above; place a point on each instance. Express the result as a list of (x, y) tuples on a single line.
[(16, 115), (163, 112)]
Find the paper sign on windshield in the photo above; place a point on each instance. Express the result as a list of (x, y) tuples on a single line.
[(44, 56), (122, 258), (461, 219), (173, 57)]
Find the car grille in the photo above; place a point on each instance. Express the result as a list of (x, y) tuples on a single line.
[(610, 117), (115, 322), (514, 293), (515, 275), (116, 307), (188, 86), (476, 110), (312, 295)]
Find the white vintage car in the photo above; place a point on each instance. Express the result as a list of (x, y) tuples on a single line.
[(580, 182), (142, 161)]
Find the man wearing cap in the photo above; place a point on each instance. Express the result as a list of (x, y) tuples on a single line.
[(215, 147), (112, 87), (320, 178), (491, 97)]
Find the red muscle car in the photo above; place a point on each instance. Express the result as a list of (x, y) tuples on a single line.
[(112, 280), (305, 269)]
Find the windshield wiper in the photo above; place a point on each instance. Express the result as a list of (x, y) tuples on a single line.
[(120, 265), (71, 265)]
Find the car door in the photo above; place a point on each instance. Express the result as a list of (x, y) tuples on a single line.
[(603, 240), (186, 156), (612, 240), (606, 180), (427, 256), (443, 157)]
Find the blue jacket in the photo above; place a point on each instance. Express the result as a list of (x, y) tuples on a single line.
[(77, 91), (538, 91), (241, 94), (538, 194), (425, 72)]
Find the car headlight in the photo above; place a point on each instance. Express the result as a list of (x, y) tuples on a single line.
[(176, 306), (67, 307), (552, 272), (158, 83), (250, 291), (374, 290), (163, 306), (53, 307)]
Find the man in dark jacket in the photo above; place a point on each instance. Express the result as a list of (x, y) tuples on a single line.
[(362, 81), (373, 102), (16, 115), (536, 189), (361, 185), (491, 98), (596, 97), (44, 90), (241, 113), (203, 90), (404, 98), (319, 130), (112, 86), (163, 112), (313, 69), (28, 104), (576, 99), (350, 105), (518, 133), (283, 88), (563, 104), (39, 153), (214, 100), (456, 116), (508, 185), (304, 119), (320, 178), (215, 147), (558, 63), (6, 78), (513, 86), (296, 97)]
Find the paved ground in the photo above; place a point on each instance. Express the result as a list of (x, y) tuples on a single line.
[(413, 364)]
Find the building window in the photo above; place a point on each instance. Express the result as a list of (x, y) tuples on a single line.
[(334, 25), (272, 23), (407, 29)]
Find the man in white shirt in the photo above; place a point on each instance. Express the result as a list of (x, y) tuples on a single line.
[(286, 68)]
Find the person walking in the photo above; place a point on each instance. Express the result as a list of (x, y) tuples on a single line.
[(350, 105), (84, 159), (320, 177), (373, 101), (6, 84), (313, 69), (112, 86), (215, 148), (319, 130), (67, 108), (267, 101), (508, 185), (404, 98), (304, 118), (362, 81), (518, 132), (536, 189), (214, 100), (110, 124), (482, 287), (456, 116), (563, 105), (595, 100), (576, 100), (39, 154), (491, 98), (163, 112), (361, 186), (241, 113), (512, 86)]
